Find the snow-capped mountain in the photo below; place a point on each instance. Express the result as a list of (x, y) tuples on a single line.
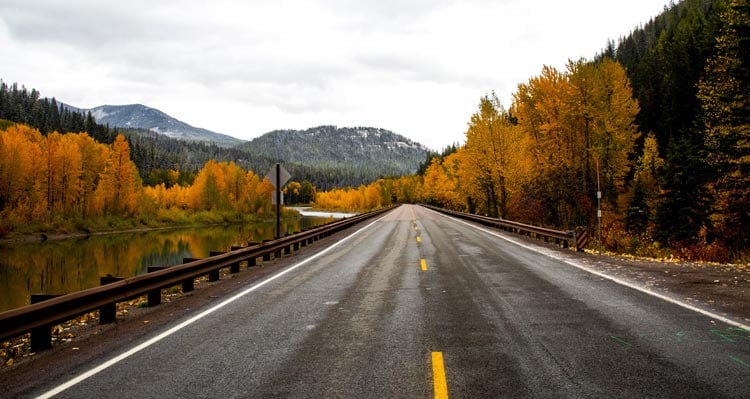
[(137, 116)]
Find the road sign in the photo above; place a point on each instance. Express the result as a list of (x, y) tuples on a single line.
[(278, 176), (283, 176), (273, 198)]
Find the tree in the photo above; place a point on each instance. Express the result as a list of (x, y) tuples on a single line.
[(645, 191), (574, 121), (723, 92), (683, 212), (120, 186), (491, 143)]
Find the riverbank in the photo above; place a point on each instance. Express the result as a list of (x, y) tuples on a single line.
[(323, 213), (107, 225)]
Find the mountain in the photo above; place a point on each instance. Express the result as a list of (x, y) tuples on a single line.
[(137, 116), (380, 151)]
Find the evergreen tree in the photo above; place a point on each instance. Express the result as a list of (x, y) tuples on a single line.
[(726, 110), (683, 212)]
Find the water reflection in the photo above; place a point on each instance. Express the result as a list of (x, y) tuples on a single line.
[(59, 267)]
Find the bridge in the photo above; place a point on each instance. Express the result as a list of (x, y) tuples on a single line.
[(411, 304)]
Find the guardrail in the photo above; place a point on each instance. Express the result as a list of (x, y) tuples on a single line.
[(39, 318), (571, 238)]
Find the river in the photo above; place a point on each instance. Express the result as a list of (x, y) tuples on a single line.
[(64, 266)]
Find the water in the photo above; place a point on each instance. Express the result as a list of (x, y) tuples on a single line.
[(64, 266)]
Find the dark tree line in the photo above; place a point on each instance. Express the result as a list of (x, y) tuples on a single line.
[(25, 106), (668, 61)]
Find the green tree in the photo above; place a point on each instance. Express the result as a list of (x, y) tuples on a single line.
[(683, 213), (726, 110)]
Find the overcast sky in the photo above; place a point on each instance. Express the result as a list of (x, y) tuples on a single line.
[(243, 68)]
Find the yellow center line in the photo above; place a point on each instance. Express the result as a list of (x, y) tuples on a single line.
[(438, 376), (419, 239), (423, 263)]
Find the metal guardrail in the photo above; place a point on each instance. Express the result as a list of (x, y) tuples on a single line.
[(39, 318), (570, 238)]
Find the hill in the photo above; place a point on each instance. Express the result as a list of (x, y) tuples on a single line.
[(137, 116), (358, 148)]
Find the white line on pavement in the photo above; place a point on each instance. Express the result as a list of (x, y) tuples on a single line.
[(628, 284), (146, 344)]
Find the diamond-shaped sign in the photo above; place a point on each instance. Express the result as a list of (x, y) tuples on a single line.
[(284, 176)]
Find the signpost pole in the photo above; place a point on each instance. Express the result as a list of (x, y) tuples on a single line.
[(278, 200), (278, 176)]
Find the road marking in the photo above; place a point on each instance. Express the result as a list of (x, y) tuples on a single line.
[(622, 341), (423, 263), (439, 383), (739, 361), (109, 363), (419, 239), (605, 276)]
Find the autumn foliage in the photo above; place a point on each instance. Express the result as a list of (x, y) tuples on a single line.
[(64, 176), (566, 133), (53, 179)]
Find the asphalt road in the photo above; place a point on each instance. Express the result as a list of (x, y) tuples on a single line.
[(373, 316)]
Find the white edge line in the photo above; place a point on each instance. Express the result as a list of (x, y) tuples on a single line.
[(151, 341), (608, 277)]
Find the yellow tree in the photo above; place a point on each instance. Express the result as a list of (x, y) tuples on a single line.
[(94, 158), (71, 174), (20, 153), (440, 185), (574, 121), (599, 119), (492, 150), (120, 187)]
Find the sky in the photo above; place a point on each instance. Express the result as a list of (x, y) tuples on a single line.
[(244, 68)]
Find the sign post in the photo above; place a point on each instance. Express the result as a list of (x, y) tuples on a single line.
[(278, 176)]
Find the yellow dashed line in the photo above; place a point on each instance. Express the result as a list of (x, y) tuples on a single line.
[(438, 376), (423, 263), (419, 239)]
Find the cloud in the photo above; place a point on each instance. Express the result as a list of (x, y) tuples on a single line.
[(417, 67)]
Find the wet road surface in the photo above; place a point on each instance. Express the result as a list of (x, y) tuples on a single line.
[(420, 305)]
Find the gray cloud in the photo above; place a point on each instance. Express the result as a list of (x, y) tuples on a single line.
[(297, 62)]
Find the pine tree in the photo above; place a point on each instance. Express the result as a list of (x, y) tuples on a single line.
[(726, 110), (683, 213)]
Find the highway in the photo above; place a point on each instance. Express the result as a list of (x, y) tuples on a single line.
[(419, 305)]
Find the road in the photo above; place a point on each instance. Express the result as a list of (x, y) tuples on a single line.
[(416, 297)]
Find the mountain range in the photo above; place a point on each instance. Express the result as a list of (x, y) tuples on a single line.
[(138, 116), (328, 156)]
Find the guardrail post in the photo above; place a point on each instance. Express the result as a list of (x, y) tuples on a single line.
[(108, 312), (188, 284), (41, 337), (252, 261), (154, 296), (266, 256)]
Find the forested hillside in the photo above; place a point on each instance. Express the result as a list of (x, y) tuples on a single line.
[(331, 157)]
